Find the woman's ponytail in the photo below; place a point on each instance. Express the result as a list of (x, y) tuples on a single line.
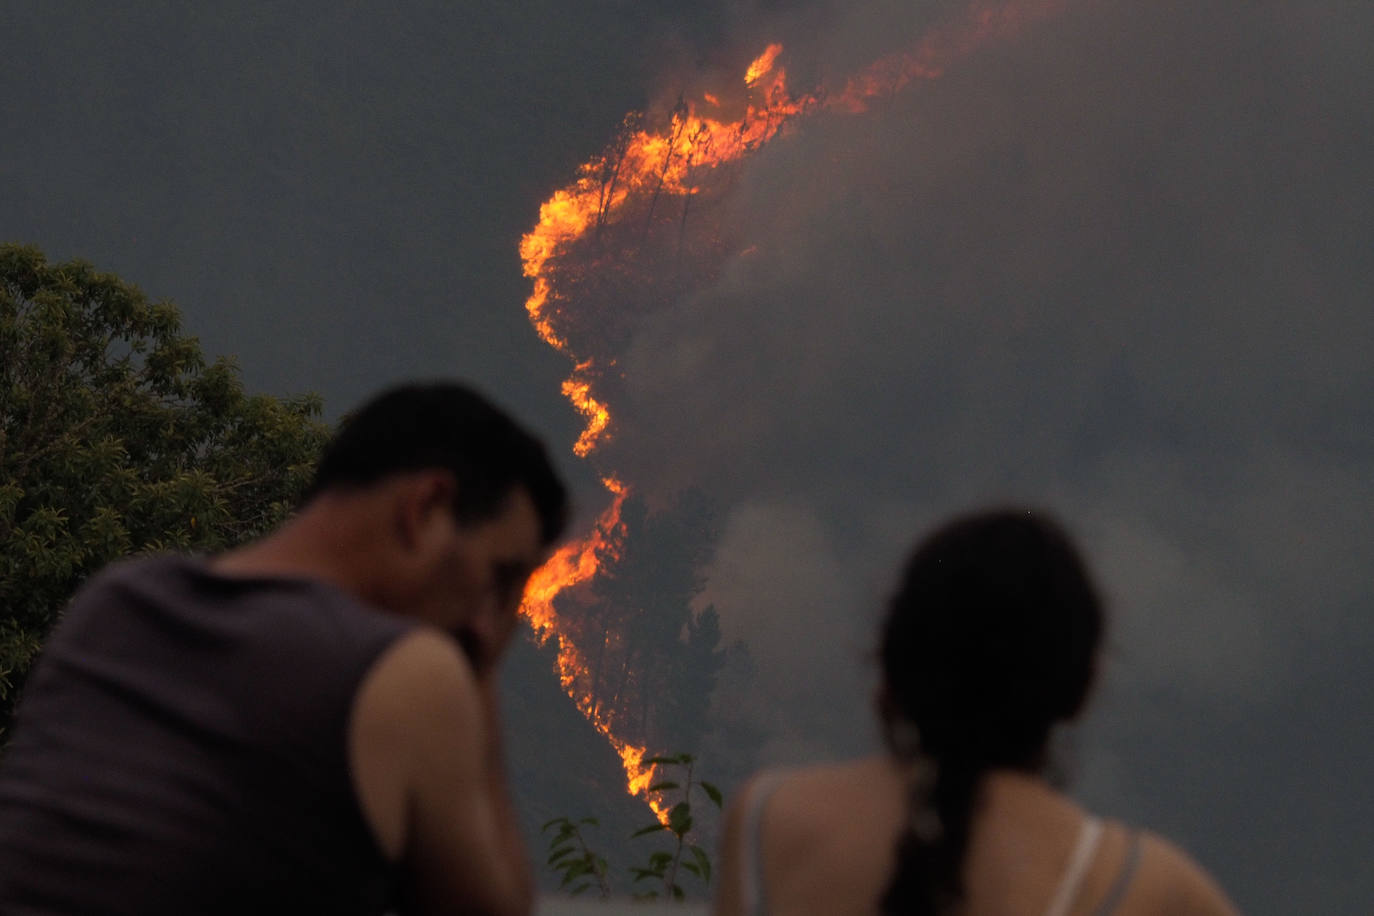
[(928, 878)]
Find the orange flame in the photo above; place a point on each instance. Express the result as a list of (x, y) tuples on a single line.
[(573, 563), (579, 391), (674, 162), (761, 65)]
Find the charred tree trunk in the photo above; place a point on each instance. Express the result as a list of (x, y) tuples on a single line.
[(610, 169), (700, 148), (679, 122), (597, 667)]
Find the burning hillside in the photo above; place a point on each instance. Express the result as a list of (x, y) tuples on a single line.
[(640, 226)]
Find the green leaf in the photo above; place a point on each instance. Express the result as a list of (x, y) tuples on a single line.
[(713, 793), (662, 786), (692, 868), (573, 871), (141, 442), (680, 818), (652, 828), (590, 821), (580, 888), (703, 862), (677, 892), (558, 854), (548, 824)]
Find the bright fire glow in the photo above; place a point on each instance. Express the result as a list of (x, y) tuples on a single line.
[(761, 65), (676, 161), (577, 562)]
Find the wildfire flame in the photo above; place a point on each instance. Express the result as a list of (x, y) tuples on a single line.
[(573, 563), (761, 65), (677, 161)]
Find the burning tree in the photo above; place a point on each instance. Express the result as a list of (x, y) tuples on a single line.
[(655, 660), (631, 232)]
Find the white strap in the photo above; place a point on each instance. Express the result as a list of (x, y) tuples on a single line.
[(1083, 851)]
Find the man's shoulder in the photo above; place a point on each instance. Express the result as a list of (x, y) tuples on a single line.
[(302, 614), (119, 583), (147, 567), (420, 690), (423, 665)]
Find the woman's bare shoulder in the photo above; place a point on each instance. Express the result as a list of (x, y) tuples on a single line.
[(1174, 882), (815, 790), (859, 773)]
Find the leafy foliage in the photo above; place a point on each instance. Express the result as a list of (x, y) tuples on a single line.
[(116, 438), (570, 856), (664, 865)]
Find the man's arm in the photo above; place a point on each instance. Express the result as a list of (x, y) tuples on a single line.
[(425, 745), (498, 791)]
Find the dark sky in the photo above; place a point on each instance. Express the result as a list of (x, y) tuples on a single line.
[(1119, 267)]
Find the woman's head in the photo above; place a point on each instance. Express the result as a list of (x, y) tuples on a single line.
[(990, 640)]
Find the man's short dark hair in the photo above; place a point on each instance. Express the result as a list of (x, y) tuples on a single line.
[(445, 425)]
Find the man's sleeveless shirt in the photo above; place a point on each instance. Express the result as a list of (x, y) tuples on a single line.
[(182, 748)]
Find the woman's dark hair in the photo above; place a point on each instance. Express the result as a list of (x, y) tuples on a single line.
[(450, 426), (990, 640)]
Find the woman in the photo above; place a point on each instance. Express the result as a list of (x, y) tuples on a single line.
[(990, 642)]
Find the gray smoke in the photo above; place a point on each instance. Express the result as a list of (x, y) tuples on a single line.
[(1120, 267)]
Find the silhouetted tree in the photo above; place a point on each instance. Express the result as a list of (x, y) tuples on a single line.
[(678, 127), (653, 659), (611, 162)]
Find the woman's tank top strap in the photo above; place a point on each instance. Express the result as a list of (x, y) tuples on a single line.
[(1089, 835), (751, 846), (1123, 878)]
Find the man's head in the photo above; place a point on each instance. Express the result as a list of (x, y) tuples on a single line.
[(445, 425), (465, 504)]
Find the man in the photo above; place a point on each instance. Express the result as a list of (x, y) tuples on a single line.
[(307, 724)]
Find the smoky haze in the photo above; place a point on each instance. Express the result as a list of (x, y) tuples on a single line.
[(1119, 267)]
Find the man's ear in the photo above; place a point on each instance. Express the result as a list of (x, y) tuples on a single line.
[(424, 507)]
